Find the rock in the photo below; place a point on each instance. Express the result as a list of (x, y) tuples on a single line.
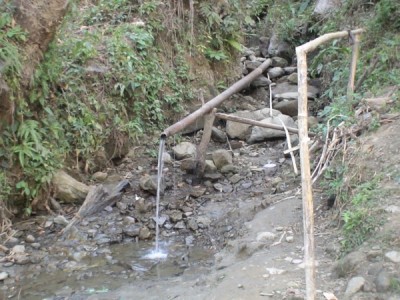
[(278, 47), (175, 215), (91, 233), (259, 134), (144, 233), (260, 81), (382, 281), (293, 78), (21, 258), (184, 150), (243, 131), (354, 285), (30, 238), (167, 158), (143, 206), (247, 185), (230, 169), (203, 221), (289, 108), (197, 191), (68, 189), (247, 52), (189, 240), (108, 209), (189, 165), (263, 46), (393, 209), (18, 249), (210, 166), (296, 261), (290, 239), (35, 246), (212, 176), (221, 158), (256, 99), (99, 176), (218, 135), (286, 90), (349, 263), (235, 178), (393, 256), (192, 224), (252, 65), (132, 230), (279, 62), (128, 220), (122, 206), (61, 220), (275, 271), (325, 7), (180, 225), (161, 220), (226, 188), (372, 255), (290, 70), (275, 72), (3, 275), (149, 183), (265, 236)]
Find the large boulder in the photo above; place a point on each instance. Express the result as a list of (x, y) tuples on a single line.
[(68, 189), (285, 90), (325, 7), (278, 47), (252, 134), (288, 107), (221, 158), (259, 134), (184, 150)]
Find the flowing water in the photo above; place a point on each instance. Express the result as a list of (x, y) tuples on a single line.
[(157, 252)]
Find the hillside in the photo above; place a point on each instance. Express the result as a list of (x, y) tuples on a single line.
[(86, 88)]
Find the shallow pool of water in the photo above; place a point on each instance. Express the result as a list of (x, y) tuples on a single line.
[(123, 264)]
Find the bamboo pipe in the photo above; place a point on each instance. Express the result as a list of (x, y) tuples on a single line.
[(236, 87)]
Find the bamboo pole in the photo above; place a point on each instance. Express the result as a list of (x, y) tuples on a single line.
[(353, 66), (236, 87), (306, 185), (308, 217), (258, 123)]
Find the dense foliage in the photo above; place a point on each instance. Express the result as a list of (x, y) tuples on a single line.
[(118, 69)]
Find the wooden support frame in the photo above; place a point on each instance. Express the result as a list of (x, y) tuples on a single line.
[(306, 185), (205, 139)]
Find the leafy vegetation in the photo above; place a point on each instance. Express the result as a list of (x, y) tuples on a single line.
[(359, 217), (115, 69)]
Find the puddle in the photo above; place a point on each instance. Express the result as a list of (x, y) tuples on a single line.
[(125, 264)]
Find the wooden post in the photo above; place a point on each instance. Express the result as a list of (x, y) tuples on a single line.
[(306, 185), (354, 56), (205, 139), (308, 209)]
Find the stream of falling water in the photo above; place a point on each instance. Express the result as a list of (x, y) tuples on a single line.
[(157, 253), (160, 167)]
